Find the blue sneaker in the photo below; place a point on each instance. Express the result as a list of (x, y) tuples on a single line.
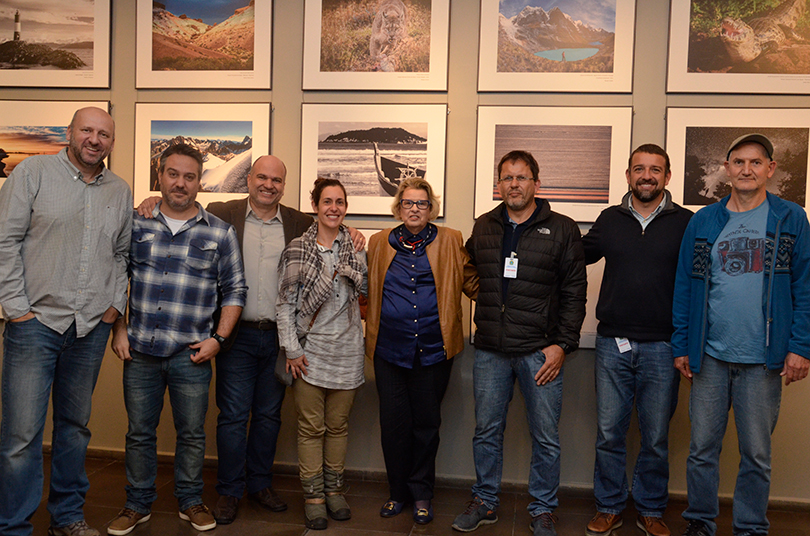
[(476, 514)]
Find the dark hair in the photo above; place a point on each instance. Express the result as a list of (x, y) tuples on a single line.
[(524, 156), (649, 148), (320, 184), (184, 150)]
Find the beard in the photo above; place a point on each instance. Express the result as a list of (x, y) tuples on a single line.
[(645, 196), (179, 206), (76, 150)]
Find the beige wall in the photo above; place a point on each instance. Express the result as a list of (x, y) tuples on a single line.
[(791, 468)]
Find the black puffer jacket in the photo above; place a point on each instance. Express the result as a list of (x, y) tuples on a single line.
[(545, 304)]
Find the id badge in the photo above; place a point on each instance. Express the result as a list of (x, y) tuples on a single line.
[(623, 344), (510, 268)]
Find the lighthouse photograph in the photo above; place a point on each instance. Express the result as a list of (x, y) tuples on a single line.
[(40, 38)]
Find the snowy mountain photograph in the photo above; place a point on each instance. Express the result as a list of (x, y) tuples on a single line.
[(226, 147), (556, 35)]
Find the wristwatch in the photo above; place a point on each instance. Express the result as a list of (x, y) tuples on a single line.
[(219, 338), (565, 347)]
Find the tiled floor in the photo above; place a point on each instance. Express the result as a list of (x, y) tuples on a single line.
[(107, 496)]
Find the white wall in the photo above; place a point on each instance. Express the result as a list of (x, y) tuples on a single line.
[(791, 467)]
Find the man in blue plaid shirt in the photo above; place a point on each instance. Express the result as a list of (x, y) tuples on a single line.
[(184, 262)]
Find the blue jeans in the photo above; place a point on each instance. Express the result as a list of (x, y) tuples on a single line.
[(146, 378), (248, 390), (646, 374), (494, 375), (755, 394), (37, 361)]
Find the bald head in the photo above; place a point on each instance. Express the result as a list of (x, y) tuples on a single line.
[(90, 135), (266, 182)]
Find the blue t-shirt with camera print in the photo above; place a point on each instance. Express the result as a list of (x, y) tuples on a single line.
[(736, 318)]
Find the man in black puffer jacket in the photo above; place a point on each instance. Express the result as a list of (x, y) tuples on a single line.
[(530, 308)]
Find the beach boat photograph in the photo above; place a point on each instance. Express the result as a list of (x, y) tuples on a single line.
[(390, 172)]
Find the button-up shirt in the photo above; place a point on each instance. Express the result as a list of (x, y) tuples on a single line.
[(175, 280), (641, 219), (409, 318), (262, 244), (64, 243)]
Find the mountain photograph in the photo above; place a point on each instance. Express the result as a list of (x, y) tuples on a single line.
[(536, 36), (226, 147), (188, 35)]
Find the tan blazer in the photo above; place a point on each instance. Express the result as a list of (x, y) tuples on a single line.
[(452, 272)]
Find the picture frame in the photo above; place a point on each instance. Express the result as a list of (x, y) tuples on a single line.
[(587, 144), (711, 54), (76, 40), (519, 47), (346, 45), (29, 128), (219, 131), (698, 139), (231, 39), (338, 141)]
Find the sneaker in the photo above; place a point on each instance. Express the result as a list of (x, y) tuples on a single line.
[(126, 521), (696, 528), (603, 524), (543, 525), (200, 517), (652, 526), (78, 528), (476, 514)]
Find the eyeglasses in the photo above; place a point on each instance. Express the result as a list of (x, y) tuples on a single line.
[(520, 178), (422, 204)]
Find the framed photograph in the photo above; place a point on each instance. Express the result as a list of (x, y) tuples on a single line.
[(738, 46), (188, 43), (548, 45), (698, 139), (53, 43), (371, 148), (376, 44), (582, 153), (230, 137), (29, 128)]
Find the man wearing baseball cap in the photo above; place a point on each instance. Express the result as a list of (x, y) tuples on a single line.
[(741, 314)]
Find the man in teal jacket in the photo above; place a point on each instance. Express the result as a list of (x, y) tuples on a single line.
[(741, 314)]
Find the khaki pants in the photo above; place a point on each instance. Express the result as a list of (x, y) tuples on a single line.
[(323, 424)]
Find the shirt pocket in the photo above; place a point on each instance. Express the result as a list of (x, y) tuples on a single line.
[(202, 254), (142, 243)]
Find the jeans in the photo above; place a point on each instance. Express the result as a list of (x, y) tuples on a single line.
[(755, 394), (410, 417), (494, 375), (37, 361), (323, 427), (247, 389), (646, 374), (145, 380)]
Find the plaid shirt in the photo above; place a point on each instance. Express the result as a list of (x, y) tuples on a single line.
[(175, 281)]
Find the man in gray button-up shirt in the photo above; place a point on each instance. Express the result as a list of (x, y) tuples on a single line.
[(65, 225)]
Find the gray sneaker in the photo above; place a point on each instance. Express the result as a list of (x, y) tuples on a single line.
[(78, 528), (543, 525), (476, 514)]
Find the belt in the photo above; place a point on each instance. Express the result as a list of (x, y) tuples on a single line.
[(261, 325)]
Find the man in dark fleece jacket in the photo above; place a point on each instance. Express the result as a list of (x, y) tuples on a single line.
[(639, 240)]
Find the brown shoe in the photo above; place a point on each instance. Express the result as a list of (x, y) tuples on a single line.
[(200, 517), (269, 499), (126, 522), (603, 524), (225, 510), (653, 526)]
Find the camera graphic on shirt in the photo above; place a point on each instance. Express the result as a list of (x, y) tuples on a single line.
[(741, 255)]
